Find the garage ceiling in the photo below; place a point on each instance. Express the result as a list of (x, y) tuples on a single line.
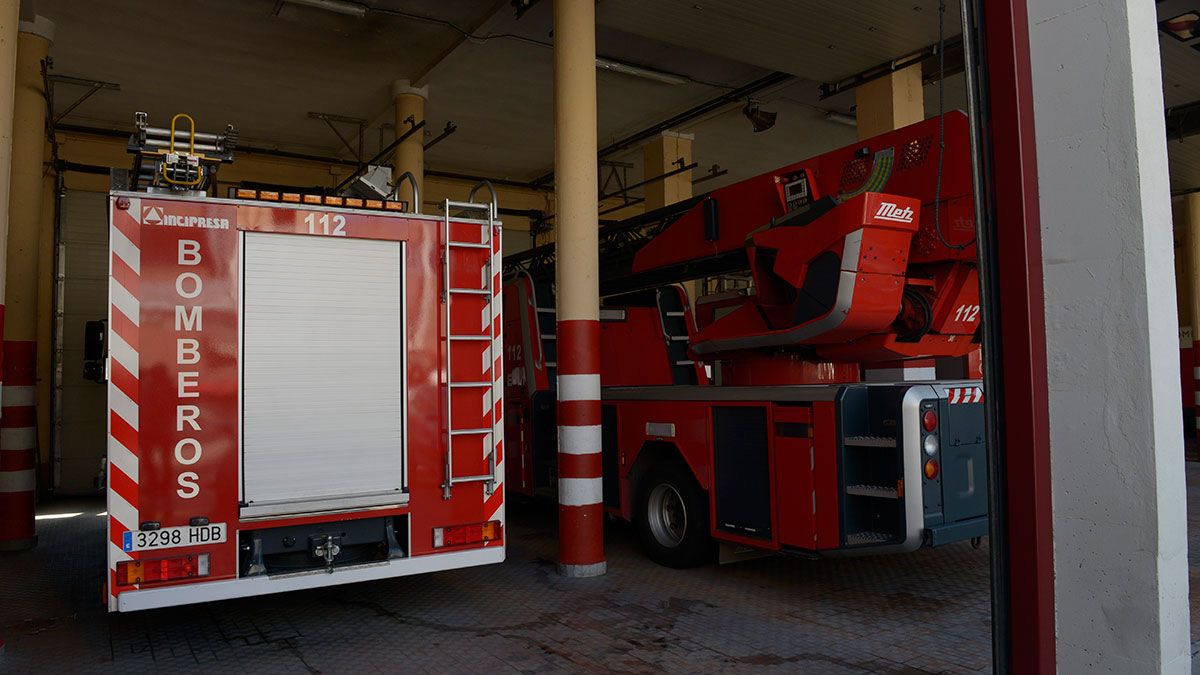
[(264, 64), (822, 40)]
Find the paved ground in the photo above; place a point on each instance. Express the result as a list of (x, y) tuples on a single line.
[(922, 612), (926, 612)]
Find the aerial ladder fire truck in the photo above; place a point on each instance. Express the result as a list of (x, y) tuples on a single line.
[(303, 390), (751, 419)]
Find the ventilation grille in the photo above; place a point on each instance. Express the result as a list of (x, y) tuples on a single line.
[(914, 153), (854, 174)]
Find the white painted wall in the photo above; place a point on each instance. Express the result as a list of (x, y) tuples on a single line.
[(1120, 539)]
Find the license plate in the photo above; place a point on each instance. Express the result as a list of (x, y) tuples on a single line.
[(172, 537)]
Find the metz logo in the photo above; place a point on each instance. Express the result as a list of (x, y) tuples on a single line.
[(156, 215), (889, 211)]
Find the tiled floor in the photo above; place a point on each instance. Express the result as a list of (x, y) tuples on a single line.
[(922, 612)]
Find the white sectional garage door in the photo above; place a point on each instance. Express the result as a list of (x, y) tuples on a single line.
[(322, 373)]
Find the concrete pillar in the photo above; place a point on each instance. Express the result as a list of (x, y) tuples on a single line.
[(580, 508), (18, 425), (890, 102), (410, 155), (1116, 447), (659, 156)]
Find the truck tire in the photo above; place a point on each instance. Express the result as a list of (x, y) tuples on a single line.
[(672, 517)]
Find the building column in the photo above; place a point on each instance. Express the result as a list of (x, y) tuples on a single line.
[(410, 155), (660, 155), (580, 507), (18, 424), (890, 102), (1116, 447)]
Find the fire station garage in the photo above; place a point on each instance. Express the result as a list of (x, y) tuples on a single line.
[(599, 335)]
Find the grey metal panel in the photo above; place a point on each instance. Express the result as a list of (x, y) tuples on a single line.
[(83, 249), (322, 372)]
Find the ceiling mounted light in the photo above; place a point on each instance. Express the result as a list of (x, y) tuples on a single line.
[(637, 71), (760, 119), (337, 6)]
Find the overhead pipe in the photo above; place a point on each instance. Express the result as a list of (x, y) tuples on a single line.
[(734, 96), (447, 131), (319, 159)]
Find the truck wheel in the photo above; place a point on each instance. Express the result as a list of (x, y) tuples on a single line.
[(672, 520)]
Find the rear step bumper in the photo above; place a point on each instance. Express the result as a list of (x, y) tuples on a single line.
[(152, 598), (948, 534)]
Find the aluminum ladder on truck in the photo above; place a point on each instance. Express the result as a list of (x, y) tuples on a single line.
[(491, 432)]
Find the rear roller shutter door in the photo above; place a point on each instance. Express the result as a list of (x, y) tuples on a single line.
[(322, 390)]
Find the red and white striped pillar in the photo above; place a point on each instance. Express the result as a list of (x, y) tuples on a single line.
[(17, 469), (18, 446), (22, 177), (580, 507)]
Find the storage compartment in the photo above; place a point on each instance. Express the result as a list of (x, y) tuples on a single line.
[(871, 466), (742, 470), (323, 401)]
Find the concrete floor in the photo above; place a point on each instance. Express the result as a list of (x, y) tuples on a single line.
[(924, 612)]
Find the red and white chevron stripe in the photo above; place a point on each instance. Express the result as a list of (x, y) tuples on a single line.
[(493, 507), (964, 395), (123, 317)]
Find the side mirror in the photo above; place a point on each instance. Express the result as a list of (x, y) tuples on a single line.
[(95, 345)]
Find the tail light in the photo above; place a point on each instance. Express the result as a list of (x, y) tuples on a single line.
[(132, 572), (459, 535), (929, 420), (932, 469), (930, 444)]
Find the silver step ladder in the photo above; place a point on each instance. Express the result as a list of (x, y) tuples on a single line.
[(488, 433)]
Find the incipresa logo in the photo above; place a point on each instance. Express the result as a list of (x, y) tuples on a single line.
[(157, 215)]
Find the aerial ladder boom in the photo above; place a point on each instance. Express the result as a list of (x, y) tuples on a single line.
[(861, 254)]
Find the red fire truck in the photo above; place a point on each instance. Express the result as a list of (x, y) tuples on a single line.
[(756, 420), (303, 390)]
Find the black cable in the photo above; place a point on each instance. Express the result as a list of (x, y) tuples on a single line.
[(937, 195)]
